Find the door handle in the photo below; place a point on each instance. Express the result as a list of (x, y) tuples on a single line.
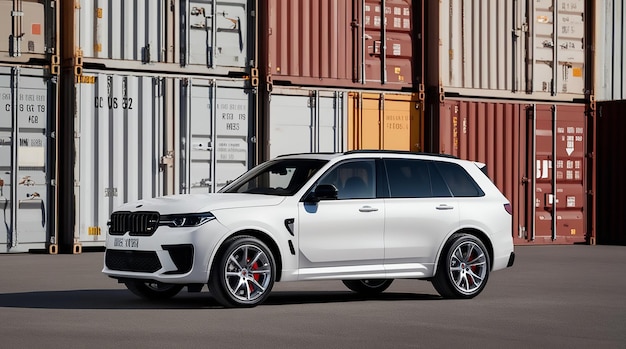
[(368, 209), (445, 207)]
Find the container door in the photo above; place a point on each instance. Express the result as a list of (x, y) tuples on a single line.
[(560, 175), (120, 145), (24, 169), (216, 33), (306, 121), (216, 119), (558, 50), (385, 121)]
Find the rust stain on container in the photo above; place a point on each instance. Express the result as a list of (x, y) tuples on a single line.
[(525, 147), (390, 121), (355, 44)]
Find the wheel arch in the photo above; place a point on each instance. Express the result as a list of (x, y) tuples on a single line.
[(480, 235), (264, 237)]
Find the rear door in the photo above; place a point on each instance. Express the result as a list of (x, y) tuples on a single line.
[(420, 213)]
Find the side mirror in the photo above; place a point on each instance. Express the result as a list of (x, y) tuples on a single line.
[(322, 192)]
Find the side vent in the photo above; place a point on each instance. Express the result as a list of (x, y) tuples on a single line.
[(289, 225)]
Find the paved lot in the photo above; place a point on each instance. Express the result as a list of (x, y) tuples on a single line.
[(554, 297)]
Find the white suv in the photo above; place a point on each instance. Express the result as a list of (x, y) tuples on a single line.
[(364, 217)]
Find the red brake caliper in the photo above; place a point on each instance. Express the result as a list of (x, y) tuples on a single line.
[(256, 277)]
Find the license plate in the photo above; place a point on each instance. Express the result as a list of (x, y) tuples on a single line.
[(128, 243)]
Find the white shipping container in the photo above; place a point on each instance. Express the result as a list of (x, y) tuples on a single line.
[(198, 35), (509, 49), (306, 120), (610, 41), (26, 202), (216, 125), (138, 135)]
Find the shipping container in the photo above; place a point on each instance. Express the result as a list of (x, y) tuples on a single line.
[(610, 41), (343, 44), (143, 135), (610, 185), (305, 120), (533, 49), (216, 139), (29, 32), (388, 121), (535, 153), (191, 36), (27, 151)]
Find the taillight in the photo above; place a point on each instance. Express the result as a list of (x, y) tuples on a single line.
[(508, 208)]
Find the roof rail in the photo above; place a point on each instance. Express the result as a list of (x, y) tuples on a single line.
[(385, 151)]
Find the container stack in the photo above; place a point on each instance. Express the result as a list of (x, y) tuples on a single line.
[(609, 123), (29, 68), (112, 101), (339, 75), (508, 87), (160, 97)]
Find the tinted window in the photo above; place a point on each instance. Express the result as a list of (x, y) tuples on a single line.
[(408, 178), (458, 180), (353, 179)]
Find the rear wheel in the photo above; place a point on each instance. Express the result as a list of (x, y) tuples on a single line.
[(463, 268), (153, 290), (243, 275), (368, 286)]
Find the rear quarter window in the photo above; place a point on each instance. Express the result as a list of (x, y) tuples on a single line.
[(460, 183)]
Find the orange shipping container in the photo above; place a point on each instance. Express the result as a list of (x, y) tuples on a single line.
[(389, 121)]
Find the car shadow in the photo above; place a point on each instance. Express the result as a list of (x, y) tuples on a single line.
[(123, 299)]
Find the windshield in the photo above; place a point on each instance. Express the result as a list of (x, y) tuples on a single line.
[(283, 177)]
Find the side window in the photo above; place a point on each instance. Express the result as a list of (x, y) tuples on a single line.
[(458, 180), (408, 178), (354, 179)]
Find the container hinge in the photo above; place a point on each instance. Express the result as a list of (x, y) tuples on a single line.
[(590, 155), (53, 182), (17, 13)]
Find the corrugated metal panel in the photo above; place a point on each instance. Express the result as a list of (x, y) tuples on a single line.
[(519, 49), (610, 184), (25, 30), (517, 142), (390, 121), (306, 120), (216, 122), (609, 44), (201, 35), (120, 145), (340, 43), (26, 194)]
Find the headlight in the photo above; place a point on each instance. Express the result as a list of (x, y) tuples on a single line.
[(186, 220)]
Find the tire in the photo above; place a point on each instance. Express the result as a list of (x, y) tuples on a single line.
[(463, 268), (368, 286), (153, 290), (243, 274)]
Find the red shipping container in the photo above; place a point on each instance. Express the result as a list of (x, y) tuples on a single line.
[(535, 153), (340, 43)]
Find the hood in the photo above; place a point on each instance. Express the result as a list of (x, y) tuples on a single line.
[(196, 203)]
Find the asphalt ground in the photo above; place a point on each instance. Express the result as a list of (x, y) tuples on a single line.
[(553, 297)]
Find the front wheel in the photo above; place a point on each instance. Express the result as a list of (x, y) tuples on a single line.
[(153, 290), (463, 268), (368, 286), (243, 275)]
